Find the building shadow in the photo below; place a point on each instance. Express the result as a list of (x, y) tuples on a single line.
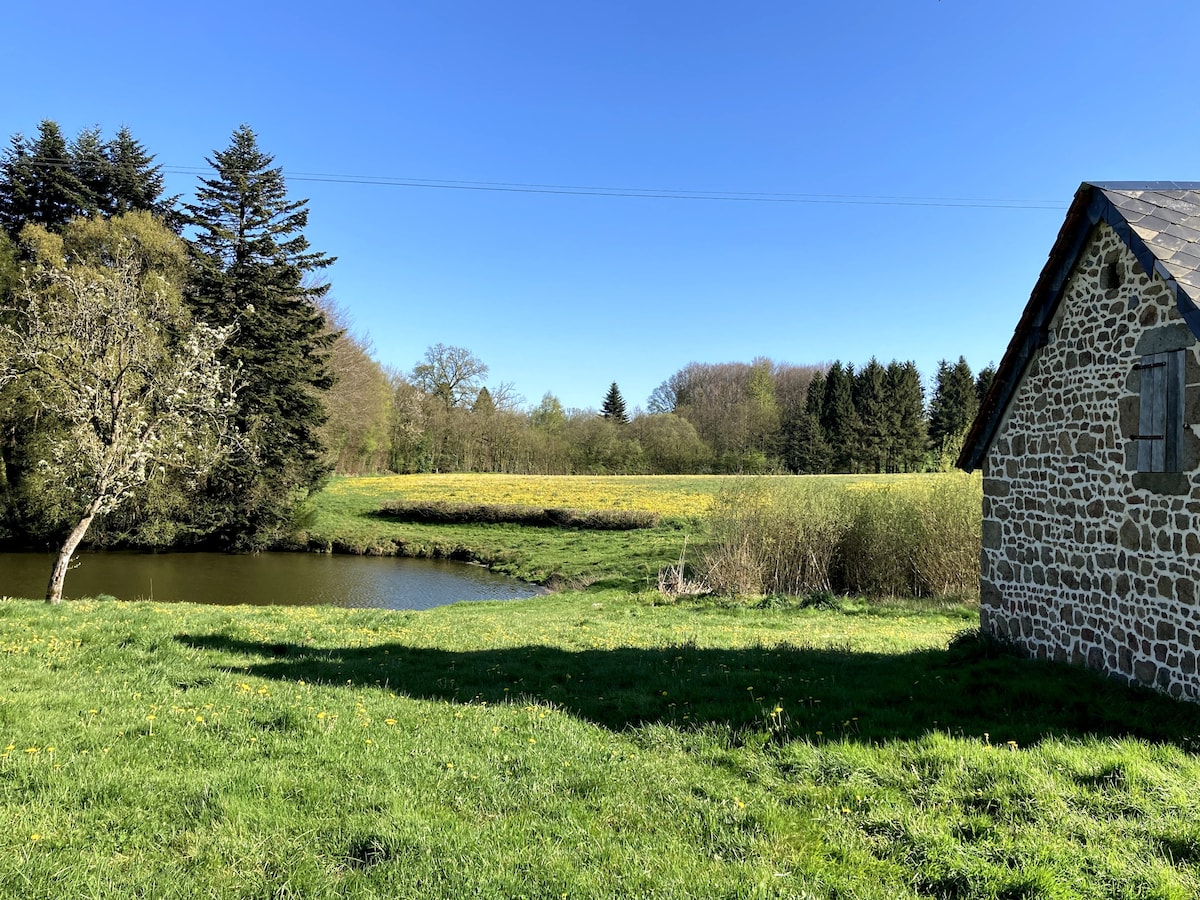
[(972, 688)]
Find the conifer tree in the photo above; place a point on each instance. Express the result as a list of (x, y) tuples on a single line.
[(983, 382), (250, 269), (134, 181), (908, 405), (805, 450), (839, 418), (954, 403), (614, 406), (90, 165), (484, 404), (874, 409), (37, 182)]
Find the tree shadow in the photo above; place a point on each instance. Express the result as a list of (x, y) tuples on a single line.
[(784, 692)]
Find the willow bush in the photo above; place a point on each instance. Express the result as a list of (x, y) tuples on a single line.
[(915, 536)]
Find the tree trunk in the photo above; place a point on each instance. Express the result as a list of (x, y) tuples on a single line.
[(59, 574)]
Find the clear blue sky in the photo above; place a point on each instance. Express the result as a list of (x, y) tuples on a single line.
[(1013, 101)]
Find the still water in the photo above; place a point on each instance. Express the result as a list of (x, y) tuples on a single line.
[(286, 579)]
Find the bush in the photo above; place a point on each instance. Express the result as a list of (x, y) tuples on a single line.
[(443, 513), (917, 536)]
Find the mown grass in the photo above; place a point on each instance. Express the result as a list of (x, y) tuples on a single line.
[(579, 745)]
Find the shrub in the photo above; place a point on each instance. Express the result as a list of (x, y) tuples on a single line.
[(443, 513), (917, 536)]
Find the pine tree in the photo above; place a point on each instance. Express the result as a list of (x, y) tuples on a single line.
[(614, 406), (38, 183), (251, 263), (805, 450), (908, 404), (90, 165), (954, 403), (484, 404), (871, 402), (983, 382), (839, 418), (134, 182)]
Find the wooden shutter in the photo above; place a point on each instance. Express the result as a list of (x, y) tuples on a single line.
[(1160, 421)]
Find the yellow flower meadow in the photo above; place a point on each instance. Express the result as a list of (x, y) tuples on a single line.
[(667, 495)]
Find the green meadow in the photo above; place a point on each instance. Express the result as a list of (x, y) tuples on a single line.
[(602, 741)]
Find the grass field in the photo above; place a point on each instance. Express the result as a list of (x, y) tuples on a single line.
[(593, 743), (342, 520)]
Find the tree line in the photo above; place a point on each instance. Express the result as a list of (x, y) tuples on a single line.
[(757, 417), (304, 397)]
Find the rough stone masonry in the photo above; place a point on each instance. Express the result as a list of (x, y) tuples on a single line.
[(1085, 558)]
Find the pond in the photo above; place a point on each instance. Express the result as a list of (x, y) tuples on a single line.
[(285, 579)]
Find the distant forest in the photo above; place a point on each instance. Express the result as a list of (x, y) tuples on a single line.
[(311, 399), (752, 418)]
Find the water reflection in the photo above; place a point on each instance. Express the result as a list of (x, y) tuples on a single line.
[(287, 579)]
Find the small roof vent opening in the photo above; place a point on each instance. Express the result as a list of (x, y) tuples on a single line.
[(1111, 275)]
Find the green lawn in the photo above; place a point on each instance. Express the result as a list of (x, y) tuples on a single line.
[(590, 743)]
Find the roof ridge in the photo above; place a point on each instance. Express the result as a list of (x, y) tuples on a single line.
[(1145, 185)]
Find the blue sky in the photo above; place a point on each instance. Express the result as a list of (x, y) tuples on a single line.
[(970, 123)]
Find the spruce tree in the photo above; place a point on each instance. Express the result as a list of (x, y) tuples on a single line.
[(251, 260), (871, 402), (614, 406), (908, 405), (805, 450), (983, 382), (954, 403), (90, 165), (38, 183), (839, 418)]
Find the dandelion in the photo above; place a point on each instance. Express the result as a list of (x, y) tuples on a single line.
[(35, 837), (389, 721)]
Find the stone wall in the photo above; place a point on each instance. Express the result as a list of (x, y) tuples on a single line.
[(1084, 559)]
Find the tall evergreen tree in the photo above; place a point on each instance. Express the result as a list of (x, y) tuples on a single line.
[(48, 182), (134, 182), (614, 406), (874, 409), (839, 418), (954, 403), (37, 182), (90, 165), (805, 451), (908, 406), (983, 382), (251, 262)]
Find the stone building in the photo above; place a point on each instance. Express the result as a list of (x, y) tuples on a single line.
[(1089, 441)]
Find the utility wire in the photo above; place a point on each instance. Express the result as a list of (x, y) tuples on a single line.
[(637, 193)]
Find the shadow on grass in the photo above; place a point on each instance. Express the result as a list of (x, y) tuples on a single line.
[(969, 689)]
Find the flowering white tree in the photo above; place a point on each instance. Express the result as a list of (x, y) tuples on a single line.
[(130, 387)]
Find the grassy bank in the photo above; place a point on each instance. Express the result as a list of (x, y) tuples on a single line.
[(580, 745), (344, 518)]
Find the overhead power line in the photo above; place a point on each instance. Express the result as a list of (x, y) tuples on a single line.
[(637, 193)]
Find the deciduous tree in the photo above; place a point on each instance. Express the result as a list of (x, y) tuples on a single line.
[(128, 387), (453, 375)]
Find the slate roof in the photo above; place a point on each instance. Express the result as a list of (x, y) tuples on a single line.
[(1160, 223), (1166, 216)]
